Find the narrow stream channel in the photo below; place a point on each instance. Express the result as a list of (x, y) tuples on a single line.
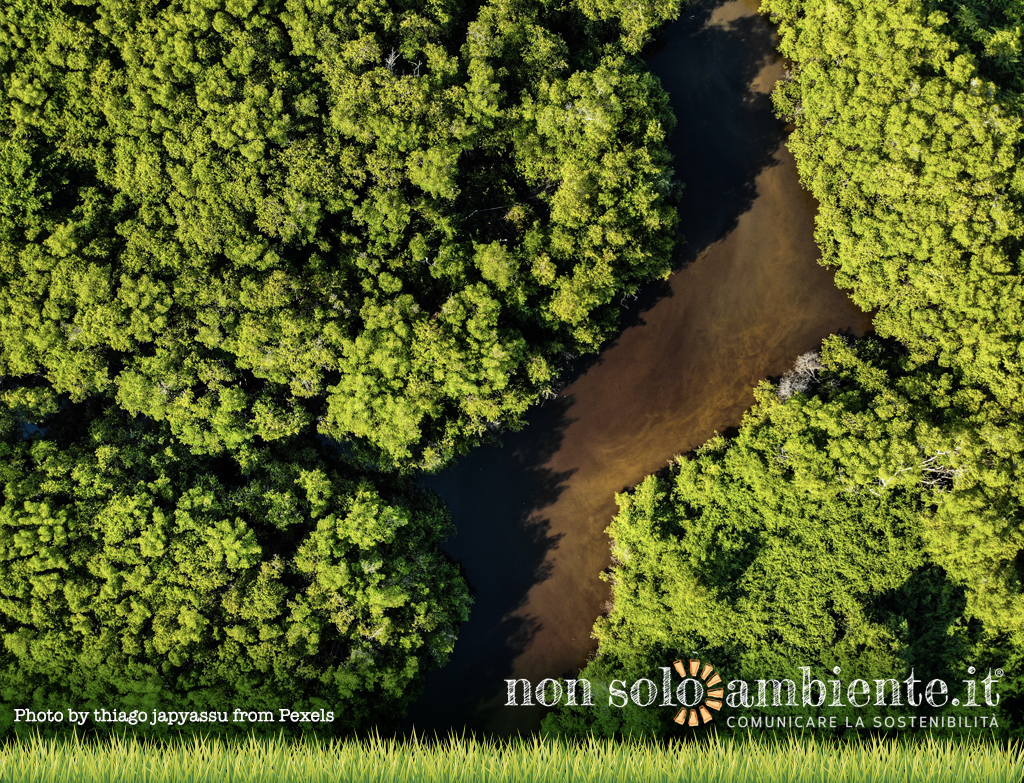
[(750, 297)]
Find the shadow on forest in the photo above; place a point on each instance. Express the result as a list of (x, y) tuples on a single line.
[(923, 614), (496, 495)]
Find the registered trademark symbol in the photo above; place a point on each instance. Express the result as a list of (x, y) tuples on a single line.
[(999, 672), (956, 702)]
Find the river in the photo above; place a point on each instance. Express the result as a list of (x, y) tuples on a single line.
[(748, 298)]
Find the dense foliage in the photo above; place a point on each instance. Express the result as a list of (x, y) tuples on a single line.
[(388, 223), (257, 259), (919, 169), (134, 575), (870, 512), (873, 524), (993, 31)]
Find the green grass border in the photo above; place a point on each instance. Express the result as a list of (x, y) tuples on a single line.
[(536, 760)]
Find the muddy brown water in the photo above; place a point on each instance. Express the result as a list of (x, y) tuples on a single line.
[(748, 299)]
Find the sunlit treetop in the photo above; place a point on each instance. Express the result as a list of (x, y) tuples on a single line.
[(910, 133), (387, 223)]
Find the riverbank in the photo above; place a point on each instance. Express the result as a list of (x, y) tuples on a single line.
[(748, 299)]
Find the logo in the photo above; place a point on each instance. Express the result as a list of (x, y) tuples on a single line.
[(703, 679), (780, 702)]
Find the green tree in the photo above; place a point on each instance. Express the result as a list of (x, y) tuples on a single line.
[(917, 167), (386, 223), (872, 522), (135, 575)]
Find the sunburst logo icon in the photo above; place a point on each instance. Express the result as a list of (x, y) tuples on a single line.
[(700, 680)]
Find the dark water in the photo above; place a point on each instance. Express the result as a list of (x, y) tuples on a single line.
[(750, 297)]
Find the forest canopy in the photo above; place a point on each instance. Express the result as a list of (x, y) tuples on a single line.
[(259, 261), (919, 170), (387, 223), (870, 522), (138, 576), (869, 514)]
